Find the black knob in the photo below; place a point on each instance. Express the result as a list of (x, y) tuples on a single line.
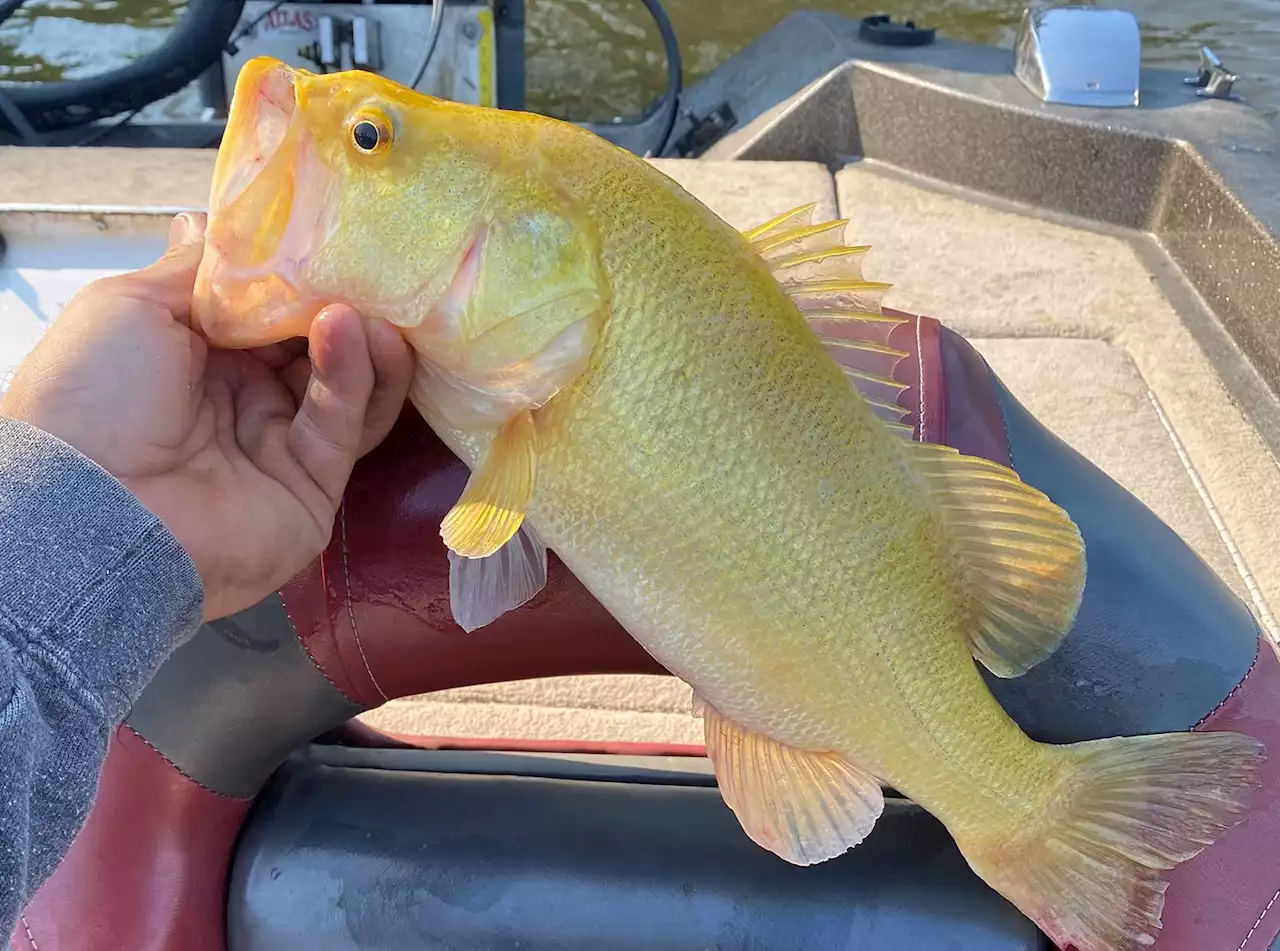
[(884, 31)]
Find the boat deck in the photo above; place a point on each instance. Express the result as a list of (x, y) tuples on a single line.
[(1090, 326)]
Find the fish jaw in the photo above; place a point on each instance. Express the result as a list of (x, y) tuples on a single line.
[(271, 207)]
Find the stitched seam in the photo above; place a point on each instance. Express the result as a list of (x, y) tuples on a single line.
[(307, 650), (1256, 924), (32, 938), (178, 769), (1223, 702), (351, 613), (920, 369), (1004, 422)]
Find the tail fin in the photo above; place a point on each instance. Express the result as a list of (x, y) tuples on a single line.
[(1127, 808)]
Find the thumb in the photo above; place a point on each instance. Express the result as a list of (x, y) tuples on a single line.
[(327, 431), (170, 281)]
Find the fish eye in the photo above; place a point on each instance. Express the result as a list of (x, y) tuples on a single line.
[(370, 131), (365, 135)]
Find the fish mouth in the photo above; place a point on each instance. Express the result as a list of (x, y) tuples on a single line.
[(266, 202)]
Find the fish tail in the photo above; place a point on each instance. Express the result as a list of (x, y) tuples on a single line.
[(1123, 810)]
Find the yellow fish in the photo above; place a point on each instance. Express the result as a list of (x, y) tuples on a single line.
[(691, 417)]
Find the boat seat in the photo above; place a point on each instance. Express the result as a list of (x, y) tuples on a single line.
[(220, 823), (387, 853)]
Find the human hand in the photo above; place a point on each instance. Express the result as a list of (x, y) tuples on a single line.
[(244, 455)]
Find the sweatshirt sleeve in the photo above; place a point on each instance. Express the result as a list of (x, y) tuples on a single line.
[(94, 595)]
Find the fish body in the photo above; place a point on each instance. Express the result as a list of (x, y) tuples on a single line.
[(717, 483), (696, 421)]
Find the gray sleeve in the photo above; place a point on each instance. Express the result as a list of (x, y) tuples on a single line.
[(94, 594)]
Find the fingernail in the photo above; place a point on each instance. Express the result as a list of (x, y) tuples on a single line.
[(183, 230)]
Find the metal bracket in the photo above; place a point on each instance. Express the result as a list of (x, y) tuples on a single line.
[(1214, 80), (361, 35), (703, 131)]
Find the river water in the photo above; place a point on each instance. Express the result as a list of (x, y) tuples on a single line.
[(594, 59)]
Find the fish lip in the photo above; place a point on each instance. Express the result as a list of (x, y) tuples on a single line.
[(263, 106), (248, 290)]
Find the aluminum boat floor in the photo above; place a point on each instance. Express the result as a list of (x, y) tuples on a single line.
[(1093, 330)]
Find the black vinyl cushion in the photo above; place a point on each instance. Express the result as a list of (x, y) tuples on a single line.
[(1159, 640), (374, 850)]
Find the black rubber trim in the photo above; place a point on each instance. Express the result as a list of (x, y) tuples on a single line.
[(509, 22)]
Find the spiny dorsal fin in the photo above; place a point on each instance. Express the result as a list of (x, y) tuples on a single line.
[(1021, 557), (796, 217), (824, 277)]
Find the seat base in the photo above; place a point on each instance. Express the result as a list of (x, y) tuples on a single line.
[(379, 849)]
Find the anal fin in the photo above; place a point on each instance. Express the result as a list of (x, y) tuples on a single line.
[(1021, 558), (805, 807), (483, 589), (494, 501)]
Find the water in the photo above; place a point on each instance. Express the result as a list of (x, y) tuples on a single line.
[(595, 59)]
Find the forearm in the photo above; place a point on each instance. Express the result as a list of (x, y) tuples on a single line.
[(94, 594)]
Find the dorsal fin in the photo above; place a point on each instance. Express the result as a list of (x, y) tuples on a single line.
[(796, 217), (824, 277)]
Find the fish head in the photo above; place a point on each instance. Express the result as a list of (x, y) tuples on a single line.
[(445, 219), (341, 187)]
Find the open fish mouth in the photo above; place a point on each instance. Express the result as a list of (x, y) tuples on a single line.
[(267, 197), (264, 104)]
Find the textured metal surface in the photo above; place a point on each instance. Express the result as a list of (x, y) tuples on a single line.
[(1200, 175), (1103, 174), (1229, 255)]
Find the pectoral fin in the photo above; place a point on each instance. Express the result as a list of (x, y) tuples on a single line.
[(483, 589), (805, 807), (1021, 558), (497, 495)]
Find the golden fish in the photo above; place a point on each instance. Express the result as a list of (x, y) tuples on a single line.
[(698, 422)]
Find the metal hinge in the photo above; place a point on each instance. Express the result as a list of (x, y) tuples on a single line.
[(1214, 80)]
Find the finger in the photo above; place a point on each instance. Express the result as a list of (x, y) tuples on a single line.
[(297, 377), (328, 430), (393, 366), (171, 280), (280, 355)]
